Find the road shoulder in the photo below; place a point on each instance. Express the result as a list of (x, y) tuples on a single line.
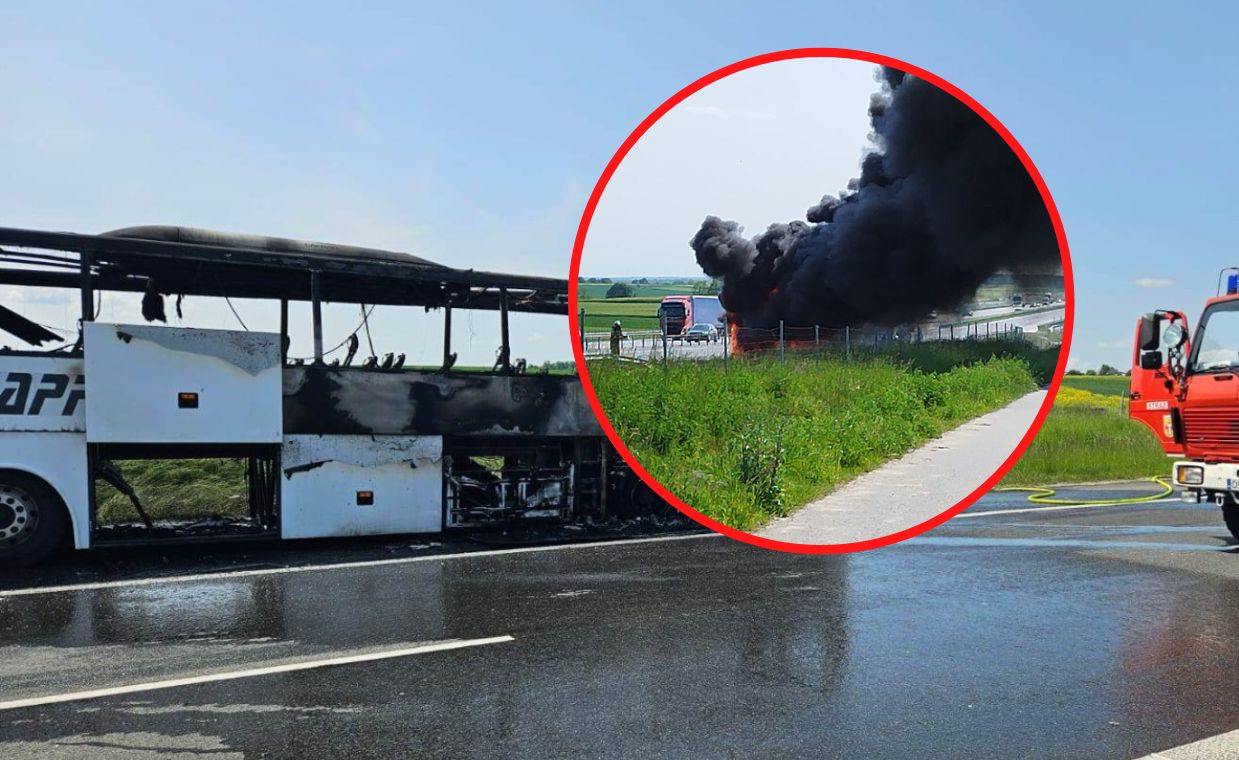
[(916, 487)]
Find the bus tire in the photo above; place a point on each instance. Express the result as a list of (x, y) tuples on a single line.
[(33, 520), (1230, 514)]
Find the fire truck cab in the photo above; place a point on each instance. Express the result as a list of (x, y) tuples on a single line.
[(321, 446), (1186, 390)]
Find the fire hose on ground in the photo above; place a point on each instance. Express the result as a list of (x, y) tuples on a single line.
[(1043, 495)]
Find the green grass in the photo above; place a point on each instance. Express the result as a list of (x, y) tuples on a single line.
[(942, 357), (177, 489), (1081, 444), (1106, 385), (640, 313), (1088, 437), (754, 441)]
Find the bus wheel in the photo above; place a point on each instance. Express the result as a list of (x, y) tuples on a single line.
[(646, 502), (33, 522), (1230, 513)]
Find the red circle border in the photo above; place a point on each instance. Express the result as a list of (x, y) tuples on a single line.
[(579, 246)]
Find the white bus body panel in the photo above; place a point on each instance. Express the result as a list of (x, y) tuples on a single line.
[(42, 424), (321, 475), (137, 373)]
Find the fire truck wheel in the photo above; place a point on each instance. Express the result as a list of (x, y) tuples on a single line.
[(33, 521), (1230, 513)]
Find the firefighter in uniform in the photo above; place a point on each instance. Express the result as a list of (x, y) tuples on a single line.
[(617, 334)]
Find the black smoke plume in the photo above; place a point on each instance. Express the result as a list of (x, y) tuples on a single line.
[(941, 204)]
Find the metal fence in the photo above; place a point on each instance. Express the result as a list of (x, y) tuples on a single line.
[(652, 345)]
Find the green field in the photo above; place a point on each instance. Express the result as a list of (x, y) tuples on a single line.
[(639, 313), (598, 290), (1106, 385), (752, 441), (1088, 437)]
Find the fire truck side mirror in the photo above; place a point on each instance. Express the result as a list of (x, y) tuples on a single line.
[(1150, 339), (1151, 360)]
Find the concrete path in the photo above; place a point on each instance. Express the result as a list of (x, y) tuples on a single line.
[(917, 486)]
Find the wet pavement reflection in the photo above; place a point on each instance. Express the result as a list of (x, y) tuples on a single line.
[(996, 637)]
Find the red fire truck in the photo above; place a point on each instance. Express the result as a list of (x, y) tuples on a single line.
[(1187, 391)]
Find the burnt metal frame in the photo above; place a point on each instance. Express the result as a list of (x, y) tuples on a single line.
[(127, 264), (569, 452), (109, 262)]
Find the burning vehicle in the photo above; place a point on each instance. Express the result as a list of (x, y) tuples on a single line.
[(330, 448), (941, 204)]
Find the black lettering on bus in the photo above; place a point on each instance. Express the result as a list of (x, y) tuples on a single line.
[(59, 383), (75, 395), (13, 399)]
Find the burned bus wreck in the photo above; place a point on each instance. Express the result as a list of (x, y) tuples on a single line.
[(326, 446)]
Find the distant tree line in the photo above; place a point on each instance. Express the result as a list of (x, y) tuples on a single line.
[(1105, 371), (707, 287)]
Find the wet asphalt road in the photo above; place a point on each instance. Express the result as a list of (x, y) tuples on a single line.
[(1106, 632)]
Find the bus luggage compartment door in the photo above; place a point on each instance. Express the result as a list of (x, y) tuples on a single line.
[(360, 485), (149, 384)]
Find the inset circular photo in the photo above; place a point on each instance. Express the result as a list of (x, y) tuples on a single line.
[(821, 300)]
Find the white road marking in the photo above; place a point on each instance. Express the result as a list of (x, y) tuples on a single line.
[(1055, 508), (439, 646), (224, 574), (1221, 747)]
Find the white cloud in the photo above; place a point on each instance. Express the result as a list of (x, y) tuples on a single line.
[(1155, 282), (1121, 343)]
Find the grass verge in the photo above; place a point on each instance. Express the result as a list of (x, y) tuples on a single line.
[(1088, 437), (751, 442)]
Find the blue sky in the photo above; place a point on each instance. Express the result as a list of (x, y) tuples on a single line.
[(472, 134)]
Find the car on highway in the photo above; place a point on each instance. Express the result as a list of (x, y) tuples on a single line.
[(701, 333)]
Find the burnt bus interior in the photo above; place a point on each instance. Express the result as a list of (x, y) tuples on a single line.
[(253, 473), (517, 444)]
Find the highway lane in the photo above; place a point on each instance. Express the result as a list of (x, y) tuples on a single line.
[(1101, 632), (651, 348)]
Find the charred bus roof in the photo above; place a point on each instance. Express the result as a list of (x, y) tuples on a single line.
[(186, 261)]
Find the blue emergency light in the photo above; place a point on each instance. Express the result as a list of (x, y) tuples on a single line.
[(1232, 283)]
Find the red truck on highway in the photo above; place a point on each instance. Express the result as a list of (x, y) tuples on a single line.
[(1186, 390), (678, 313)]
